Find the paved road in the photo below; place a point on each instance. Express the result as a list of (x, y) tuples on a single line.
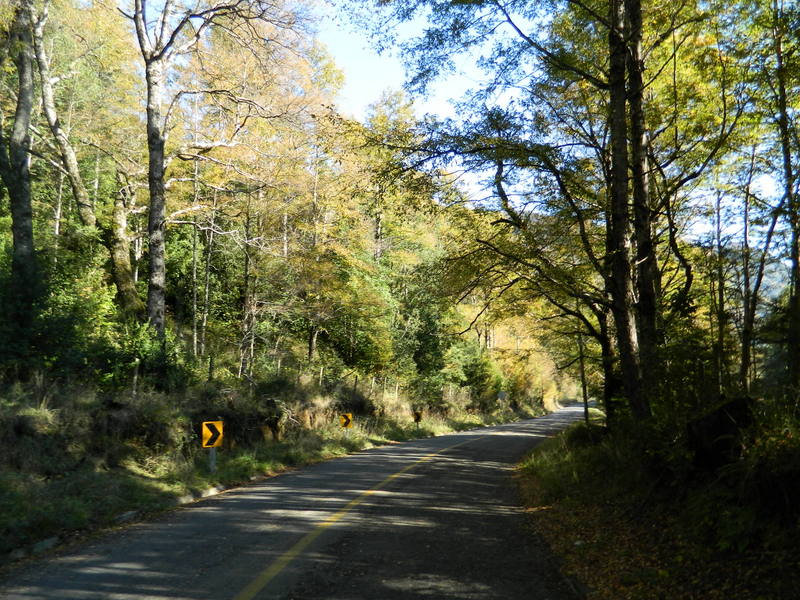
[(433, 519)]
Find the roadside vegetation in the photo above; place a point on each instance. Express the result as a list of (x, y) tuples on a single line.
[(644, 525), (71, 477)]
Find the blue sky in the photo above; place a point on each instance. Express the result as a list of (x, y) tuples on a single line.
[(368, 74)]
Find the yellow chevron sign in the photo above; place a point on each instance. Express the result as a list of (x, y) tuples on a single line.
[(212, 434)]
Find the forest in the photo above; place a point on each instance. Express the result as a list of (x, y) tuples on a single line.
[(192, 227)]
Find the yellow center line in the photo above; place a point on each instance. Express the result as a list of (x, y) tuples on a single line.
[(268, 574)]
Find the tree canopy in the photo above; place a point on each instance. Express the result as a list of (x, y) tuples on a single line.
[(179, 189)]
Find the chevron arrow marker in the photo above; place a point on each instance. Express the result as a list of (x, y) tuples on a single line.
[(212, 434)]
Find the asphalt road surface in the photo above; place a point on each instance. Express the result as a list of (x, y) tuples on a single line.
[(432, 519)]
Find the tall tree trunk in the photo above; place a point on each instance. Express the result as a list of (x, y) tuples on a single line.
[(285, 234), (247, 303), (315, 202), (792, 208), (15, 170), (58, 211), (207, 277), (156, 223), (612, 385), (719, 344), (748, 319), (194, 289), (647, 266), (195, 201), (137, 247), (750, 305), (751, 291), (584, 386), (313, 334), (618, 220), (378, 235)]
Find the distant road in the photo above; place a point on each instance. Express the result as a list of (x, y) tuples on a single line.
[(434, 519)]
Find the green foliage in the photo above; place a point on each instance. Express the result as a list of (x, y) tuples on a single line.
[(74, 328), (483, 376), (360, 332), (687, 360)]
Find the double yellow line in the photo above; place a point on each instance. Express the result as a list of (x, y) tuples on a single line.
[(268, 574)]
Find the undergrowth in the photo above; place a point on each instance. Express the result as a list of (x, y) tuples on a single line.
[(633, 517)]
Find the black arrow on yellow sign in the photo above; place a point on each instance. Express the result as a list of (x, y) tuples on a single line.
[(346, 420), (212, 434)]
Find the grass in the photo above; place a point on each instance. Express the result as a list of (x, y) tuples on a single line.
[(34, 507), (625, 528)]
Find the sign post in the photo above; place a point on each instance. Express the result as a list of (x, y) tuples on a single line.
[(212, 438)]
